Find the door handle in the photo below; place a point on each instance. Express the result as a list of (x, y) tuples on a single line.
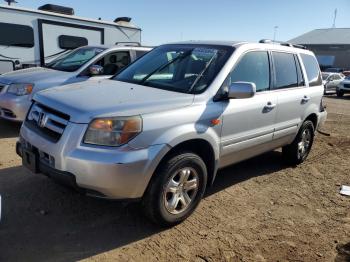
[(305, 99), (269, 106)]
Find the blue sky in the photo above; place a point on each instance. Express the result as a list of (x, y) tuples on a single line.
[(165, 21)]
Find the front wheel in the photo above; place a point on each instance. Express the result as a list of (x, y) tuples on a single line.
[(340, 93), (176, 189), (297, 152)]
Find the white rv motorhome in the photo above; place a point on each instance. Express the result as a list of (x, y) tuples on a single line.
[(35, 37)]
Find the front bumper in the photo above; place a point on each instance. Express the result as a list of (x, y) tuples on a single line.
[(322, 117), (343, 89), (14, 107), (115, 173)]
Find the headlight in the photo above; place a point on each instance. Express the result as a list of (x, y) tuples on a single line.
[(20, 89), (113, 131)]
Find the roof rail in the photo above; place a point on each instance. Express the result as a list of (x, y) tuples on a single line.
[(128, 43), (269, 41)]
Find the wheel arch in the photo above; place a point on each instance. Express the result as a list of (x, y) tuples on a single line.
[(203, 148)]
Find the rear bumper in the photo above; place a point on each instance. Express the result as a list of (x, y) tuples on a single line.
[(14, 107)]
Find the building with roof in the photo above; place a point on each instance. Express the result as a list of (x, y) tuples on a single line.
[(331, 46)]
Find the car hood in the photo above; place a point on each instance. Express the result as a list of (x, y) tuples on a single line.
[(106, 98), (31, 75)]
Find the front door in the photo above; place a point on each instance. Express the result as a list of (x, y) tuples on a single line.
[(248, 124)]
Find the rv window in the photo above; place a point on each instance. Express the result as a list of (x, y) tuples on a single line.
[(16, 35), (71, 42)]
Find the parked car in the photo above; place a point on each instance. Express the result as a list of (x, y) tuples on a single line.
[(343, 87), (81, 64), (160, 129), (334, 70), (331, 81)]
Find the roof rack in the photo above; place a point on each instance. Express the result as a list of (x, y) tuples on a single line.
[(269, 41), (128, 43)]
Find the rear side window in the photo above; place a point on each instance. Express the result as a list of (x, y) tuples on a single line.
[(286, 74), (312, 69), (253, 67), (71, 42), (16, 35)]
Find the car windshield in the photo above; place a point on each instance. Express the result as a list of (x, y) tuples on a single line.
[(73, 60), (324, 76), (181, 68)]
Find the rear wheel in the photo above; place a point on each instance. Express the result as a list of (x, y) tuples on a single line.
[(298, 151), (176, 189)]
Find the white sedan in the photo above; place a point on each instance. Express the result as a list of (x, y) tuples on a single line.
[(331, 81)]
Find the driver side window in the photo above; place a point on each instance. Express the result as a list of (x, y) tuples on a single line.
[(252, 67), (112, 63)]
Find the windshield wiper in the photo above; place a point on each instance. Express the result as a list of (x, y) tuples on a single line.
[(181, 56), (200, 75)]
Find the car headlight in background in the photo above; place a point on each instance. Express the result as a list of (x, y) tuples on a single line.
[(20, 89), (114, 131)]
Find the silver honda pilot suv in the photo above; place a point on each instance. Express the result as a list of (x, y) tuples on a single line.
[(160, 130)]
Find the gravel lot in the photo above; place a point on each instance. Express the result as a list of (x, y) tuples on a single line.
[(257, 210)]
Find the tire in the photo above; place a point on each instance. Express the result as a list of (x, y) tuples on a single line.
[(297, 152), (168, 187), (340, 93)]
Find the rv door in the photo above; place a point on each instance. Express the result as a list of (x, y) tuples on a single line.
[(56, 38)]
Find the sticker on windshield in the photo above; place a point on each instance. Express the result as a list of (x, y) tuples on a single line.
[(98, 50), (206, 53)]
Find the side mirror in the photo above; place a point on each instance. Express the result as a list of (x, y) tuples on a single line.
[(96, 70), (241, 90)]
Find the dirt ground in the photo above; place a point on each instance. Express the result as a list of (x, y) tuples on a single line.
[(258, 210)]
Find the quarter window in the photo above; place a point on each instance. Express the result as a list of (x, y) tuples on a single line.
[(140, 53), (253, 67), (285, 70), (16, 35), (312, 69), (71, 42)]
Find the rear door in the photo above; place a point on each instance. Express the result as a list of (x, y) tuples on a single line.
[(294, 96), (56, 38)]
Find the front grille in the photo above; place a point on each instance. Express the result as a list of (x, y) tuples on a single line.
[(47, 122), (347, 85)]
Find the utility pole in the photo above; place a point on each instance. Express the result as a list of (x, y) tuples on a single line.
[(335, 17), (275, 32)]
